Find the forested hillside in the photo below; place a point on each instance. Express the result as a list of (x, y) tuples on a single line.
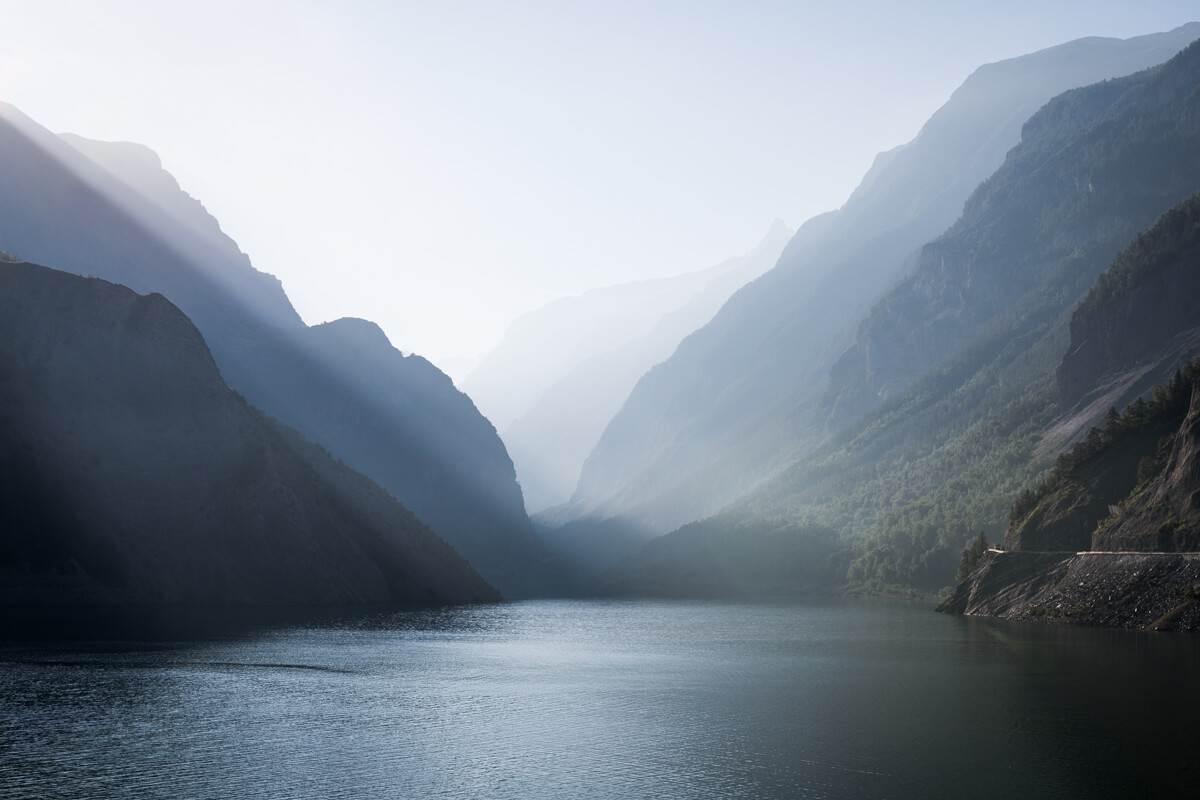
[(1078, 505), (1112, 535), (742, 398), (965, 350)]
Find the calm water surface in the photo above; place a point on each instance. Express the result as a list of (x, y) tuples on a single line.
[(850, 699)]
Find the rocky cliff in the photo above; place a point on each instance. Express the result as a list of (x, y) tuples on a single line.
[(1131, 485), (1136, 326), (966, 346), (1113, 537), (1065, 518), (1095, 167), (1164, 514), (110, 210), (742, 398), (133, 475), (1138, 322)]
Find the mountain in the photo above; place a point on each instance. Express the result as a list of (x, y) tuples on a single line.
[(1072, 552), (1135, 326), (1139, 321), (133, 475), (110, 210), (582, 355), (1164, 516), (963, 353), (1112, 536), (1126, 486), (757, 389), (542, 346), (1068, 164)]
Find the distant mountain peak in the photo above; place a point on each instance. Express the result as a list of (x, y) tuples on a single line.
[(778, 230)]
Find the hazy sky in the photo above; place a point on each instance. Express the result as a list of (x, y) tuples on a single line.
[(441, 167)]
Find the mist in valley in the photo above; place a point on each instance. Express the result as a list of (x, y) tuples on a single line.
[(567, 401)]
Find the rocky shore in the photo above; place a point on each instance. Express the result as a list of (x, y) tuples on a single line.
[(1154, 591)]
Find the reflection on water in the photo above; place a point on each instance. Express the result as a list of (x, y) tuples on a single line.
[(610, 700)]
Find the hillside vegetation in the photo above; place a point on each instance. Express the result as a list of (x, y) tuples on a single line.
[(963, 353), (746, 396)]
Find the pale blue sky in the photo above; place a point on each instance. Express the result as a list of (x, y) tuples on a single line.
[(441, 167)]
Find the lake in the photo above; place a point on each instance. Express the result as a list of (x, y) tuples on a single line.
[(832, 699)]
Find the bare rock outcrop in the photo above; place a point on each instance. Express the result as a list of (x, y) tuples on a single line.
[(1158, 591), (1165, 515)]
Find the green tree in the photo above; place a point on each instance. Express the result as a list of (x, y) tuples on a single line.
[(971, 556)]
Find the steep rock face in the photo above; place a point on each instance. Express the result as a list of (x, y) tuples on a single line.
[(1129, 494), (1068, 516), (150, 195), (1135, 327), (1165, 515), (985, 314), (1094, 167), (741, 398), (109, 210), (1140, 322), (400, 420), (58, 206), (133, 474)]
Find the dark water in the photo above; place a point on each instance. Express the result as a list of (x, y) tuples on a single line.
[(611, 700)]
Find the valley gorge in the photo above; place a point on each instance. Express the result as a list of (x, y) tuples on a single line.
[(384, 411), (843, 411)]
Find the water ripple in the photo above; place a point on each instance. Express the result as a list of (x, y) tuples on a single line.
[(605, 700)]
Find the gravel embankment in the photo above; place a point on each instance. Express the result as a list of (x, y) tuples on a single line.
[(1159, 591)]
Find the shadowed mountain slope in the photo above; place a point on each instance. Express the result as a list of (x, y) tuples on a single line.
[(1137, 325), (1118, 487), (110, 210), (133, 475)]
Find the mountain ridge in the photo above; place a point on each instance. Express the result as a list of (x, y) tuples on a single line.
[(135, 476), (60, 207), (943, 455), (743, 397), (550, 440)]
